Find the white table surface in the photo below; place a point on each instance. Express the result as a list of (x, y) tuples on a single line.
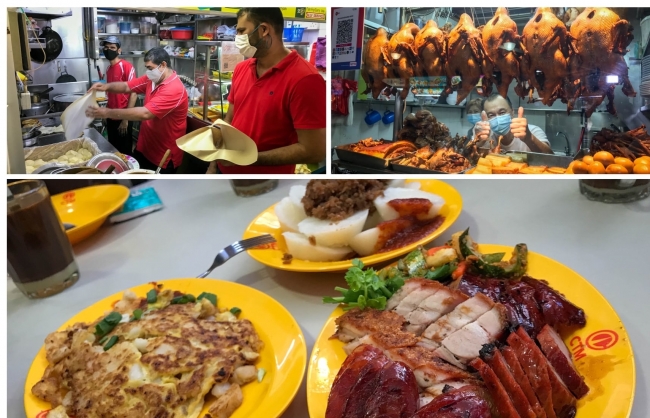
[(607, 244)]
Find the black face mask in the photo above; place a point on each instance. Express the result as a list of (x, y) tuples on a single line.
[(110, 54)]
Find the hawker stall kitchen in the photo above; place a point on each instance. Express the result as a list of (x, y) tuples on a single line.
[(547, 84)]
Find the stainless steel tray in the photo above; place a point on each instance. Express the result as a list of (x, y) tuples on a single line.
[(345, 154), (549, 160), (415, 170)]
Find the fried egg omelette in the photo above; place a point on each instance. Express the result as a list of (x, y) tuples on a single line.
[(166, 353)]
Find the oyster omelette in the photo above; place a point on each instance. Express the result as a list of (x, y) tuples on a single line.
[(156, 356)]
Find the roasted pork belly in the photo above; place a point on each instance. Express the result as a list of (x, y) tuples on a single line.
[(497, 391), (497, 363), (411, 301), (385, 340), (408, 287), (357, 323), (558, 356), (463, 314), (440, 388), (445, 300), (427, 367)]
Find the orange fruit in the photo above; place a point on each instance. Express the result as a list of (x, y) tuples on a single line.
[(625, 162), (641, 169), (604, 157), (596, 168), (616, 169), (588, 159), (642, 160), (580, 168), (569, 169)]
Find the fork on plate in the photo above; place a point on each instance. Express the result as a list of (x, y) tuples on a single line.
[(236, 248)]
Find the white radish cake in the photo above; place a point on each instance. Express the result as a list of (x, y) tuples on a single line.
[(300, 247), (333, 234)]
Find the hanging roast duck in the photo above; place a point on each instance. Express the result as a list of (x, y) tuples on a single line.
[(430, 46), (465, 55), (544, 66), (600, 38), (503, 65), (374, 69), (402, 56)]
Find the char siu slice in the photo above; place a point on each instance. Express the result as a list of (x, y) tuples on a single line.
[(497, 363), (558, 355), (466, 402), (515, 368), (497, 391)]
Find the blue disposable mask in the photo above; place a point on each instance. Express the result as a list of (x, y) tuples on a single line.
[(500, 125), (473, 118)]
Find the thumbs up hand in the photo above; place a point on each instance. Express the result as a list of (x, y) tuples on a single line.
[(482, 128), (519, 125)]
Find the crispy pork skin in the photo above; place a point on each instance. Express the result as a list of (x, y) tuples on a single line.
[(347, 377), (357, 323), (517, 371), (493, 358), (558, 311), (466, 402), (427, 366), (396, 395), (497, 391), (536, 372), (559, 357)]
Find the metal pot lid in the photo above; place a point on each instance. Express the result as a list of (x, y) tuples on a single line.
[(104, 160), (42, 103), (49, 168), (68, 98)]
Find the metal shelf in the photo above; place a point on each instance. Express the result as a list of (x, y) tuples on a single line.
[(186, 58), (375, 26), (125, 12), (102, 34)]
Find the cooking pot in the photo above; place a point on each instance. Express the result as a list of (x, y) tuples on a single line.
[(37, 108), (38, 97), (52, 47), (65, 77), (30, 138), (62, 101)]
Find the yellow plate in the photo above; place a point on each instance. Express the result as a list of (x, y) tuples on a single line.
[(267, 223), (284, 355), (601, 351), (88, 208)]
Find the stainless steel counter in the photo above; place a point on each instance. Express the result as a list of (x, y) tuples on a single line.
[(102, 142)]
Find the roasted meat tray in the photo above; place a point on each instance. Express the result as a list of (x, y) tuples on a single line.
[(346, 154)]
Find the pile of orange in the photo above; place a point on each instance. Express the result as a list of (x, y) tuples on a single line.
[(604, 162)]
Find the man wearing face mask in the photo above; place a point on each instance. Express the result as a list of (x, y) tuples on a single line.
[(120, 132), (163, 116), (277, 98), (497, 119)]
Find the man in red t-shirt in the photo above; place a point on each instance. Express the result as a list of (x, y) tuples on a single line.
[(277, 98), (120, 132), (163, 117)]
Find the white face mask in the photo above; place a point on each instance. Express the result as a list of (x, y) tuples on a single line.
[(155, 74), (243, 44)]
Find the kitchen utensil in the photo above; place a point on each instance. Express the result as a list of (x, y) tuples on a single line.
[(105, 160), (162, 162), (135, 30), (50, 168), (284, 356), (37, 108), (112, 28), (65, 77), (389, 117), (37, 97), (266, 223), (62, 101), (30, 138), (79, 170), (125, 27), (182, 33), (236, 248), (165, 34), (99, 73), (615, 388), (145, 27), (372, 117), (51, 49)]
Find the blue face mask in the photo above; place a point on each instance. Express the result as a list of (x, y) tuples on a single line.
[(473, 118), (500, 125)]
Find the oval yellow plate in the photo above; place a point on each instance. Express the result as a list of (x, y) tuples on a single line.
[(601, 350), (87, 208), (267, 223), (284, 355)]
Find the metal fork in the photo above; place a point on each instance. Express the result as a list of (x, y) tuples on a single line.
[(236, 248)]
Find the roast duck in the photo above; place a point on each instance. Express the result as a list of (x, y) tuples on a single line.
[(600, 39), (478, 348), (544, 66), (431, 51), (374, 69), (503, 65), (465, 56), (402, 56)]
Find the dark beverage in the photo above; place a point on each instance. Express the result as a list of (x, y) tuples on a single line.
[(247, 188), (39, 255), (623, 190)]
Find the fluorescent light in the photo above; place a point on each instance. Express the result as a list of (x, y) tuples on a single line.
[(612, 79)]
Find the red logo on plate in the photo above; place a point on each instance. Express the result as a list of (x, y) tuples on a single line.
[(68, 198), (602, 340)]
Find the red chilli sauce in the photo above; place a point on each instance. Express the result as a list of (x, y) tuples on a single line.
[(410, 227)]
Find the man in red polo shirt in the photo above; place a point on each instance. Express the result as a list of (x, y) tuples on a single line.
[(277, 98), (163, 116), (120, 132)]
